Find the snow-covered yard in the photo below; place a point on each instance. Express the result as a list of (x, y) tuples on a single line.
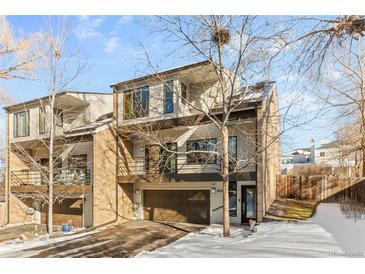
[(324, 235)]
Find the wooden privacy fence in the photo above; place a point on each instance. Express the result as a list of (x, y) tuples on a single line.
[(311, 188)]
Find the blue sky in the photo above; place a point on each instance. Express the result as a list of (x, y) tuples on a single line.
[(111, 46)]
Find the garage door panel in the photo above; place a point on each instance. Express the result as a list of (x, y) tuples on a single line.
[(177, 205), (69, 211)]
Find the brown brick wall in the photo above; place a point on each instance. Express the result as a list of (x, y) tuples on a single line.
[(104, 177)]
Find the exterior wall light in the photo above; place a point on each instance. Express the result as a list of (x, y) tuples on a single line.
[(137, 191), (213, 190)]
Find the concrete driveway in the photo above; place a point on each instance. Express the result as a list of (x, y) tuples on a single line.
[(120, 240)]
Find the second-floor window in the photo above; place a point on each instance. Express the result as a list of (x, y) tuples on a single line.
[(21, 124), (42, 120), (136, 103), (322, 154), (168, 89), (201, 157)]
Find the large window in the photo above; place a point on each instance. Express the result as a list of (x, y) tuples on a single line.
[(21, 124), (136, 103), (201, 157), (159, 160), (42, 120), (78, 162), (232, 193), (168, 88)]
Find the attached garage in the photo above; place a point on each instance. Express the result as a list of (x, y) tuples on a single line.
[(69, 211), (186, 206)]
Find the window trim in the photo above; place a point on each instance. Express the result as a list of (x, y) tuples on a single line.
[(15, 124)]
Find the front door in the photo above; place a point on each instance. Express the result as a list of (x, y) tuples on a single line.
[(248, 198)]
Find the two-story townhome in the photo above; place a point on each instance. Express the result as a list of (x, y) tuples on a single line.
[(146, 151), (157, 129), (84, 142)]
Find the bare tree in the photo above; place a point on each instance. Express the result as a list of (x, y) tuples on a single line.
[(313, 39), (239, 50), (19, 54), (60, 69), (342, 87)]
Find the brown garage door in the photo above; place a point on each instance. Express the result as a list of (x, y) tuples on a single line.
[(69, 211), (188, 206)]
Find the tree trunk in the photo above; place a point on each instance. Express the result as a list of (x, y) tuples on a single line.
[(226, 224)]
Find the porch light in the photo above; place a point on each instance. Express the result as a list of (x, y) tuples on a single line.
[(213, 190), (137, 191)]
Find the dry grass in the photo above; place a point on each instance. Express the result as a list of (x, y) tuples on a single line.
[(290, 210), (315, 169)]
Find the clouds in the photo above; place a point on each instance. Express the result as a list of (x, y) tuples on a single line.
[(125, 19), (88, 27), (112, 44)]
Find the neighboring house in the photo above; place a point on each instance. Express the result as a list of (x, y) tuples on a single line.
[(188, 188), (122, 174), (83, 133), (297, 157), (330, 154)]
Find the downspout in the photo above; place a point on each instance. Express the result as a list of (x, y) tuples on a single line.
[(117, 152), (7, 171), (256, 143)]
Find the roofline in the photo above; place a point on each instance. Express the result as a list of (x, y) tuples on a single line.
[(161, 73), (58, 94)]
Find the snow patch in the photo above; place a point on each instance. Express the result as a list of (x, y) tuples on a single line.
[(274, 239)]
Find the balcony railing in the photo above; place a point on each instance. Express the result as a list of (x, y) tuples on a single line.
[(167, 166), (65, 177)]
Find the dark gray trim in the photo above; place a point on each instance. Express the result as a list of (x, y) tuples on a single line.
[(192, 177), (162, 73)]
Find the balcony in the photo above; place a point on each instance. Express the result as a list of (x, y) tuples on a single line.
[(65, 181), (167, 166)]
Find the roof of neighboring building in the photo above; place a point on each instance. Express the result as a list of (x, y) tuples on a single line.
[(101, 121), (58, 94), (333, 144), (255, 95), (162, 73)]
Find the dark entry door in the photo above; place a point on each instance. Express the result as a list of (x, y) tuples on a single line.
[(248, 203)]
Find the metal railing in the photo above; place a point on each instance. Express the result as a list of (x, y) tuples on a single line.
[(64, 177), (168, 166)]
